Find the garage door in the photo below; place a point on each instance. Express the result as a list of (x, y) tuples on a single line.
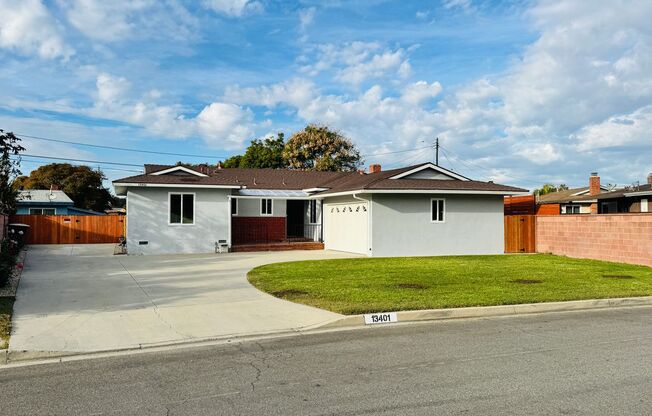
[(346, 227)]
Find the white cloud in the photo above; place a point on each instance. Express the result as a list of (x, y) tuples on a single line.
[(618, 131), (422, 14), (540, 153), (28, 28), (356, 62), (420, 91), (296, 92), (465, 5), (233, 8), (306, 16), (220, 125)]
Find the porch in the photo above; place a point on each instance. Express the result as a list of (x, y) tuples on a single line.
[(275, 224)]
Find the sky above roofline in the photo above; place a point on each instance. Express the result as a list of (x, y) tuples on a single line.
[(519, 92)]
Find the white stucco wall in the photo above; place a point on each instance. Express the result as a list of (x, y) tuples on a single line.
[(147, 220), (251, 207), (401, 225)]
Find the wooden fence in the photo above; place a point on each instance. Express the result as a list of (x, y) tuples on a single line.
[(72, 229), (520, 233)]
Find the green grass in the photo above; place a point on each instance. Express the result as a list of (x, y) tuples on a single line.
[(352, 286), (6, 306)]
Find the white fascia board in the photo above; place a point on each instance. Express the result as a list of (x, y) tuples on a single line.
[(175, 185), (297, 198), (310, 190), (433, 167), (419, 191), (640, 193), (179, 168)]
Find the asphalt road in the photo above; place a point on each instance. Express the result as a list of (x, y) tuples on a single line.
[(586, 363)]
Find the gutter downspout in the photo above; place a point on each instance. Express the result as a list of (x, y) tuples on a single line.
[(229, 222), (369, 222)]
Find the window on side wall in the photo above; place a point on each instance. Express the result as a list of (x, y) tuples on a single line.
[(265, 206), (182, 209), (313, 211), (572, 209), (42, 211), (437, 210)]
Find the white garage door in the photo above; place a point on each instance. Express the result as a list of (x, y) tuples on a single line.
[(346, 227)]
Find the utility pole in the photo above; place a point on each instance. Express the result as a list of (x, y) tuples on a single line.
[(437, 151)]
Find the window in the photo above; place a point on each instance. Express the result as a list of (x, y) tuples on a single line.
[(234, 206), (437, 208), (42, 211), (313, 211), (265, 206), (182, 209), (609, 207), (572, 209)]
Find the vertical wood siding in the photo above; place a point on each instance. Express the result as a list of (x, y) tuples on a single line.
[(72, 229)]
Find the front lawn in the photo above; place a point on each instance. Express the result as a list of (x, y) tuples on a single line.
[(6, 306), (352, 286)]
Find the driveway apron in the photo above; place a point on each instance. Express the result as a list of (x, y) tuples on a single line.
[(82, 298)]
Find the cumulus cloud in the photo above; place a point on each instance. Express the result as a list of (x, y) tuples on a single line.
[(233, 8), (306, 16), (220, 125), (356, 62), (420, 92), (28, 28)]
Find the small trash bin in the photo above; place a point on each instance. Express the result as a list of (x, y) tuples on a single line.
[(18, 233)]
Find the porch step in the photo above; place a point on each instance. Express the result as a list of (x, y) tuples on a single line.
[(307, 245)]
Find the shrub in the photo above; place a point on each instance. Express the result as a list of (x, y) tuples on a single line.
[(7, 260)]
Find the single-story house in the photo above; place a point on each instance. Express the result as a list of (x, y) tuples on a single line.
[(48, 202), (630, 199), (417, 210), (572, 201)]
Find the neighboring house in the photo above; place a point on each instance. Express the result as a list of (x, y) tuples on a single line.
[(417, 210), (571, 201), (631, 199), (48, 202)]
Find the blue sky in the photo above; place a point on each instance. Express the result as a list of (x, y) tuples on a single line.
[(521, 92)]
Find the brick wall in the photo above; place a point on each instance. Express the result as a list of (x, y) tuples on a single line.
[(250, 230), (625, 238)]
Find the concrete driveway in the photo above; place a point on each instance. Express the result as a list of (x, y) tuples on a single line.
[(76, 298)]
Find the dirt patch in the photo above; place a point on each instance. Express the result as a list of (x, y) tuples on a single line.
[(415, 286), (527, 281), (617, 276), (289, 293)]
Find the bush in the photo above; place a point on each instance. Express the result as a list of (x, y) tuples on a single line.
[(7, 260)]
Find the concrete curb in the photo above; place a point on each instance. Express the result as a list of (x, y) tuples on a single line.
[(26, 358), (502, 310)]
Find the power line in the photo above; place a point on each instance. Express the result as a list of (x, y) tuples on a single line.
[(83, 160), (123, 149), (115, 169), (398, 151)]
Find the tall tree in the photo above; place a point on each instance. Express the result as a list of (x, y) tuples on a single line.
[(9, 170), (266, 153), (319, 148), (546, 189), (81, 183)]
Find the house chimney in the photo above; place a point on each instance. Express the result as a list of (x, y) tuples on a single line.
[(649, 179), (375, 168), (594, 189), (594, 184), (54, 188)]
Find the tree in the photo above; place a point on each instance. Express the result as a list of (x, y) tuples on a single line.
[(81, 183), (549, 188), (267, 153), (319, 148), (9, 170)]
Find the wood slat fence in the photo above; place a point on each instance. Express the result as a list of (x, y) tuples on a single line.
[(520, 233), (72, 229)]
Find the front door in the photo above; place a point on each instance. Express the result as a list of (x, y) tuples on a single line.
[(296, 212)]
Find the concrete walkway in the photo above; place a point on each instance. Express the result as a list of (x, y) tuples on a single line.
[(82, 298)]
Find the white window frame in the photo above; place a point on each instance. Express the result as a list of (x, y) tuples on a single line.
[(271, 207), (579, 208), (194, 208), (310, 205), (237, 207), (41, 211), (443, 202)]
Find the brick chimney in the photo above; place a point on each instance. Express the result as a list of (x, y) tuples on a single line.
[(594, 189), (649, 178), (54, 188), (375, 168)]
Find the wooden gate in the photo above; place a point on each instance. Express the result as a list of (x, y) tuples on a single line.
[(72, 229), (520, 233)]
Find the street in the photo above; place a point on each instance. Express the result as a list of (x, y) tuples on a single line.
[(584, 363)]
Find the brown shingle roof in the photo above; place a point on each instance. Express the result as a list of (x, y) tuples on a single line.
[(561, 196), (297, 180)]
